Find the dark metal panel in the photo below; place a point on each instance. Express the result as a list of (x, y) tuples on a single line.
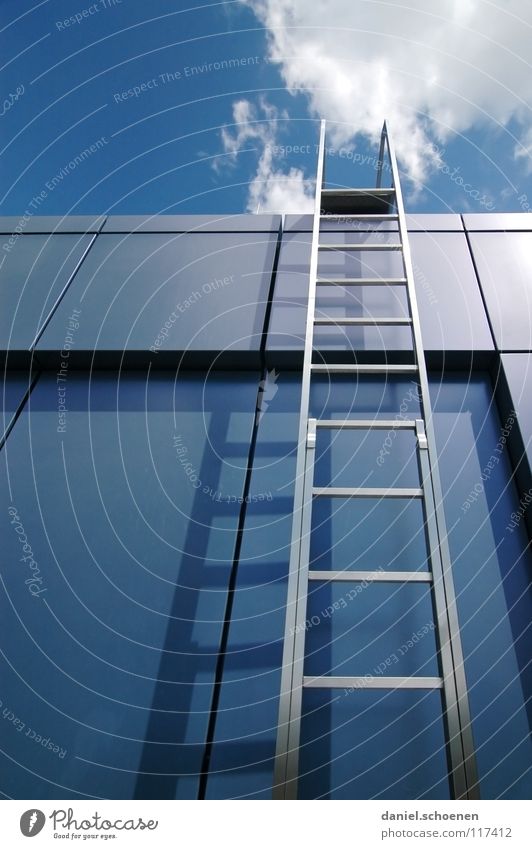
[(498, 221), (110, 634), (192, 223), (431, 222), (33, 274), (514, 396), (452, 314), (362, 743), (289, 306), (298, 223), (155, 296), (420, 221), (50, 224), (504, 266)]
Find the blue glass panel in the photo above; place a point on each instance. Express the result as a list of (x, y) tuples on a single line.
[(372, 744), (32, 276), (356, 234), (451, 310), (192, 223), (492, 571), (373, 629), (345, 396), (164, 292), (110, 628), (518, 374), (504, 264), (289, 307), (497, 221), (50, 224), (246, 723), (431, 222), (15, 385), (360, 263), (366, 458), (368, 534)]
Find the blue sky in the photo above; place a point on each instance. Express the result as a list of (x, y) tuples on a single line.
[(150, 87)]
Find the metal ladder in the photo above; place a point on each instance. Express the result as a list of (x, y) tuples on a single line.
[(370, 205)]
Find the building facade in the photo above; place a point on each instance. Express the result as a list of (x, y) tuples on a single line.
[(152, 381)]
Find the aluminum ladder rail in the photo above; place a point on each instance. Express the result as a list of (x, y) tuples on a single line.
[(452, 682)]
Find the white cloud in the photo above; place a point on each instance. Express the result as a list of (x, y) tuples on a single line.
[(271, 189), (431, 67)]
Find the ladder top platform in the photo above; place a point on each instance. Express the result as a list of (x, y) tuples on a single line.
[(352, 201)]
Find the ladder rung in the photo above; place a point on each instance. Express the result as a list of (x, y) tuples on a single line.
[(361, 281), (375, 682), (362, 424), (364, 322), (380, 575), (363, 246), (366, 492), (360, 217), (364, 369)]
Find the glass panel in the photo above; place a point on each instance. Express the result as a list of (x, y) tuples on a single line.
[(368, 534), (348, 396), (110, 628), (355, 234), (352, 263), (431, 222), (492, 570), (384, 458), (368, 301), (351, 225), (160, 292), (15, 385), (246, 725), (374, 629), (382, 339), (32, 276), (289, 307), (498, 221), (504, 264), (451, 311), (518, 374), (372, 744)]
